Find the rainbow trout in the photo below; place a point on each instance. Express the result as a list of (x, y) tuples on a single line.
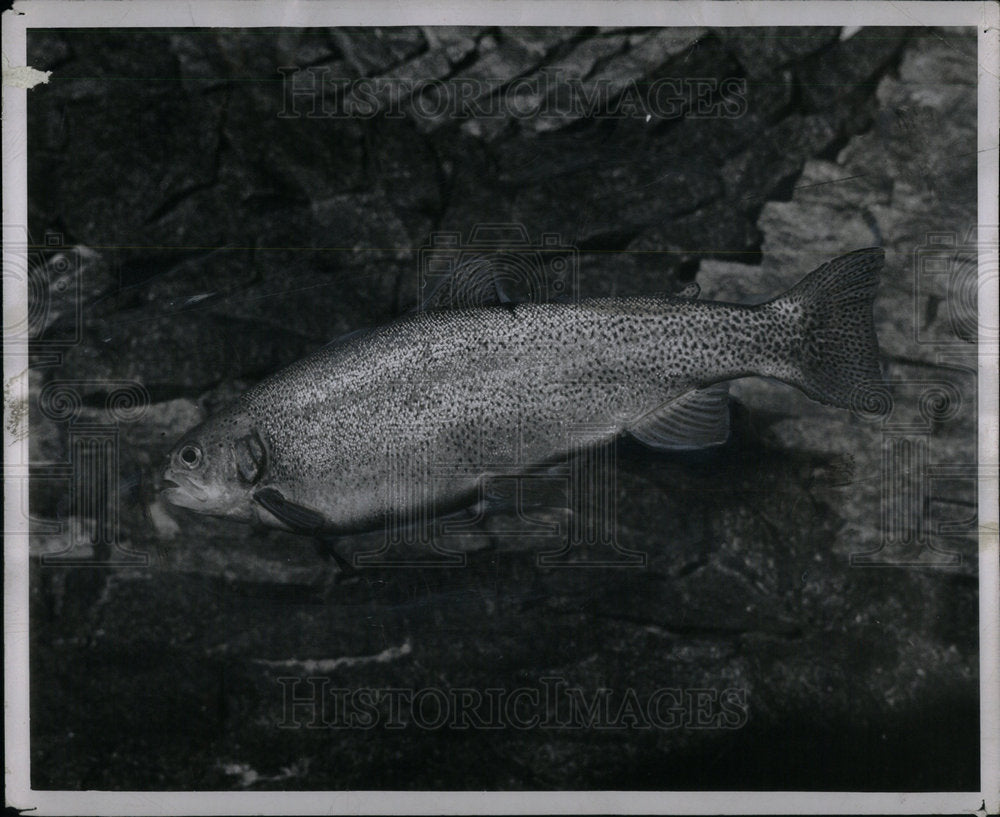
[(424, 409)]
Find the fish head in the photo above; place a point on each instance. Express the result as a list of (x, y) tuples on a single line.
[(216, 467)]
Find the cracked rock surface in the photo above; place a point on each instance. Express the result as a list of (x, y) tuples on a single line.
[(210, 241)]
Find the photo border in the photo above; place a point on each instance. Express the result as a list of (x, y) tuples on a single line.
[(36, 14)]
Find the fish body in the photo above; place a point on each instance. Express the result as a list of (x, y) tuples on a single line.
[(421, 411)]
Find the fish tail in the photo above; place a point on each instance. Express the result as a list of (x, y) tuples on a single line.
[(834, 352)]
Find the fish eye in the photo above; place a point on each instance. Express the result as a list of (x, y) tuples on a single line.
[(190, 455)]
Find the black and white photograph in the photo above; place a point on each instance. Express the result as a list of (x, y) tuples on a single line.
[(518, 407)]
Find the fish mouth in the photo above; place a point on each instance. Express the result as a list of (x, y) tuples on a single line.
[(179, 491)]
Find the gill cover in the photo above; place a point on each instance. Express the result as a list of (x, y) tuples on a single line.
[(251, 458)]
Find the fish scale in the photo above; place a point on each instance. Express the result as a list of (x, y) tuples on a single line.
[(421, 410)]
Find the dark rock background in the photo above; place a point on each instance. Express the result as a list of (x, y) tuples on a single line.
[(211, 241)]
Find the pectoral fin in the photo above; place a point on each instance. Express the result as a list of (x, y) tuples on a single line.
[(298, 518), (697, 419)]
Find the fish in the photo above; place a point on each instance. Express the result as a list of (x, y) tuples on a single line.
[(420, 412)]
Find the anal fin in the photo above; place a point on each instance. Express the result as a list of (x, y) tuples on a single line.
[(697, 419)]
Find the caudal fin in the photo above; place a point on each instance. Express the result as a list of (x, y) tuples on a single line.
[(835, 359)]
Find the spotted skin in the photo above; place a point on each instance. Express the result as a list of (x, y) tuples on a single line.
[(435, 401)]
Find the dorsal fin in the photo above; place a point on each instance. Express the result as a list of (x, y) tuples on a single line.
[(348, 337), (474, 282), (688, 292), (697, 419)]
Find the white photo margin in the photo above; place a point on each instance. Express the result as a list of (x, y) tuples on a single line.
[(985, 16)]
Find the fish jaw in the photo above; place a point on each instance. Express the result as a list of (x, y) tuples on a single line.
[(183, 492), (178, 490)]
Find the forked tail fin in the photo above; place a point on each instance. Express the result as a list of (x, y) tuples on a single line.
[(836, 359)]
